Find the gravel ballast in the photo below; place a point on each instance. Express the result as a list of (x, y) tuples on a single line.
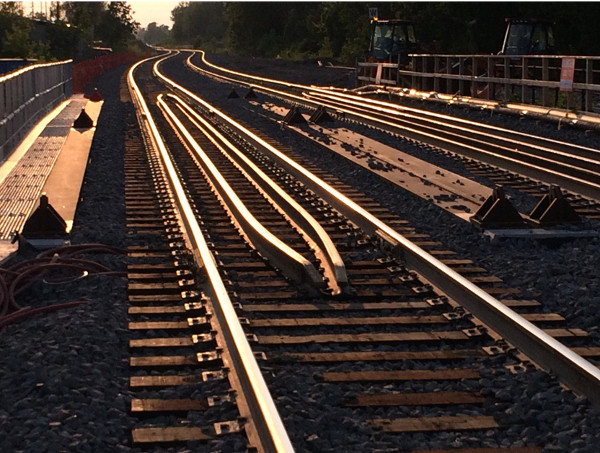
[(64, 375)]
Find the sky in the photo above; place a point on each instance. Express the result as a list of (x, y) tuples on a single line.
[(144, 12), (154, 11)]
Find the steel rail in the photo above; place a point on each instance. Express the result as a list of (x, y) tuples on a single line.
[(573, 370), (533, 170), (581, 151), (291, 263), (478, 136), (317, 237), (507, 134), (580, 181), (264, 412)]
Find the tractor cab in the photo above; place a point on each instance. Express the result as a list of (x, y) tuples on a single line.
[(528, 37), (391, 40)]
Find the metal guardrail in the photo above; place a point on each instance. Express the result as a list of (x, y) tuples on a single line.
[(28, 94), (526, 79)]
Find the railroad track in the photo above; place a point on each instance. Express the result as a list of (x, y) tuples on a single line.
[(364, 356), (510, 158)]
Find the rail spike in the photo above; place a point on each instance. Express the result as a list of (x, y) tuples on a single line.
[(553, 209), (497, 212)]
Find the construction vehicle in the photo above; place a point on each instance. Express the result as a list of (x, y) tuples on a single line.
[(528, 37), (391, 41)]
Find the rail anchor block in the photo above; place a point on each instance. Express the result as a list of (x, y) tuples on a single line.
[(497, 212), (553, 209)]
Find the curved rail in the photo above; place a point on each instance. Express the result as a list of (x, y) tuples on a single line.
[(265, 414), (314, 233), (573, 370), (271, 246)]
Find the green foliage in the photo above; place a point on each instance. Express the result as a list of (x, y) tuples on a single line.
[(155, 35), (110, 23), (16, 42), (341, 29), (93, 23), (11, 8), (199, 24), (115, 27)]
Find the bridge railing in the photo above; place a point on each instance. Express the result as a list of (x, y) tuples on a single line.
[(27, 95), (527, 79)]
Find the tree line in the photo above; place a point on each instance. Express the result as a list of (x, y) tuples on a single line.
[(336, 30), (66, 30), (340, 30)]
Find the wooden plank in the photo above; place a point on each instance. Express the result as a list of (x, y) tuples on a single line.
[(417, 399), (275, 295), (167, 405), (566, 333), (156, 310), (171, 380), (365, 264), (372, 271), (364, 338), (155, 361), (336, 306), (520, 303), (485, 279), (158, 325), (152, 288), (143, 268), (171, 434), (441, 252), (424, 424), (427, 244), (370, 356), (402, 375), (376, 280), (146, 278), (373, 321), (470, 270), (263, 284), (398, 292), (157, 298), (500, 291), (456, 262), (587, 351), (543, 317), (485, 450), (161, 342)]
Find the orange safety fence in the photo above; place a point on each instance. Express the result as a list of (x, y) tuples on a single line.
[(86, 71)]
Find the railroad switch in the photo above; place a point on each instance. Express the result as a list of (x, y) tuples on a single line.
[(497, 212), (553, 209)]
